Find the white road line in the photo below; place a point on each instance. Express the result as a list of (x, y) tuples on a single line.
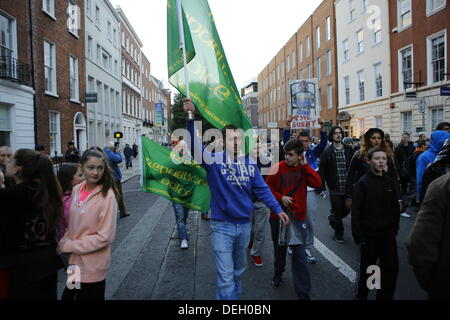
[(343, 268)]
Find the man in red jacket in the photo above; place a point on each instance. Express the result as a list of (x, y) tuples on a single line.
[(289, 186)]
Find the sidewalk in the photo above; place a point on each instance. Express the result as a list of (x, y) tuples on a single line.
[(128, 174)]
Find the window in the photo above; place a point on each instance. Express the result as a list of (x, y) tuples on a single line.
[(437, 116), (346, 50), (288, 63), (406, 68), (309, 71), (308, 46), (115, 36), (301, 74), (351, 10), (437, 64), (73, 22), (379, 122), (318, 68), (361, 85), (434, 6), (294, 60), (359, 41), (89, 47), (328, 28), (361, 127), (378, 80), (300, 52), (7, 40), (106, 60), (97, 17), (317, 37), (50, 67), (364, 4), (404, 13), (377, 30), (89, 8), (109, 31), (407, 122), (54, 133), (116, 68), (49, 7), (73, 65), (329, 63), (330, 96), (347, 89), (123, 39)]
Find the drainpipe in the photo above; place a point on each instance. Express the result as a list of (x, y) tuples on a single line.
[(32, 72)]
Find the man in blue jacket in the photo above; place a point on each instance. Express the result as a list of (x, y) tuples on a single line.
[(234, 180), (437, 140), (114, 158)]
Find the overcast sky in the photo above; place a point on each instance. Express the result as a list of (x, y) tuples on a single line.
[(252, 31)]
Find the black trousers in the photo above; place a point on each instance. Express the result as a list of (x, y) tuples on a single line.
[(384, 250), (88, 291), (339, 212)]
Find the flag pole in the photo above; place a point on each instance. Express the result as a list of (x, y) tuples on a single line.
[(183, 48)]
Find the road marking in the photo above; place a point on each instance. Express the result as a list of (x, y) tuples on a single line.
[(343, 268), (127, 253)]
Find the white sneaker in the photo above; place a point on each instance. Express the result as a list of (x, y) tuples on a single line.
[(405, 215), (184, 244)]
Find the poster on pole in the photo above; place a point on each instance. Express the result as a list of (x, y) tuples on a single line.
[(305, 103), (159, 114)]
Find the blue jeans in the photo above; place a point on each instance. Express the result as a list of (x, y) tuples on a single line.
[(181, 215), (229, 241)]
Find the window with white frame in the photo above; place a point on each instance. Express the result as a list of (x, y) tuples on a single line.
[(309, 71), (54, 133), (74, 90), (377, 30), (97, 16), (378, 80), (346, 50), (300, 52), (73, 18), (435, 5), (379, 122), (288, 66), (330, 96), (437, 57), (308, 46), (404, 13), (109, 30), (360, 41), (328, 28), (300, 74), (406, 75), (123, 39), (50, 67), (318, 69), (49, 7), (360, 76), (364, 4), (436, 116), (89, 47), (317, 37), (329, 63), (347, 89), (293, 56), (351, 10), (7, 37), (407, 122), (89, 8)]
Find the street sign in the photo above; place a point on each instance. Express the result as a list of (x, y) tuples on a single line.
[(91, 97), (445, 91), (272, 125), (422, 105), (411, 95), (419, 129)]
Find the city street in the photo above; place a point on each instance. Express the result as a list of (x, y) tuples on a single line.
[(147, 262)]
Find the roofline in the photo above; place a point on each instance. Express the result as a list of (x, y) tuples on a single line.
[(128, 24), (108, 3)]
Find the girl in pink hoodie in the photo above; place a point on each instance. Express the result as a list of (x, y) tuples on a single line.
[(91, 230)]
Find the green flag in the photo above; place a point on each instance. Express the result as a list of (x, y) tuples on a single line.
[(212, 87), (175, 178)]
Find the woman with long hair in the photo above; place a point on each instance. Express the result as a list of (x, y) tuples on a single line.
[(31, 212), (359, 166), (92, 228)]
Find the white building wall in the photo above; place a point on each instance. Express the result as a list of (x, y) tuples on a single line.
[(104, 117), (18, 101), (372, 106)]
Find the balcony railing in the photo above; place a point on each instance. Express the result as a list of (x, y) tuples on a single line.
[(14, 70)]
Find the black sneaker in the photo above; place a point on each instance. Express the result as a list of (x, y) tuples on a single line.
[(277, 281), (339, 239)]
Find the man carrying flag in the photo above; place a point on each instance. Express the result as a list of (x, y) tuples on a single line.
[(234, 180)]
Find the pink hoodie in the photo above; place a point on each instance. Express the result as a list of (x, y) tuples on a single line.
[(91, 231)]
